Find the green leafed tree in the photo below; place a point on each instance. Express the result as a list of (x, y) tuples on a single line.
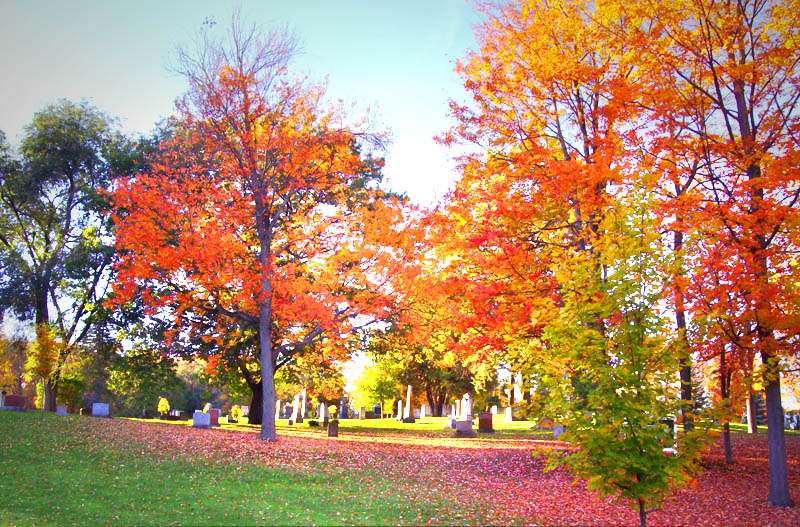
[(55, 257), (607, 363)]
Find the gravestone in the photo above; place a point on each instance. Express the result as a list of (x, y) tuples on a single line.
[(485, 422), (362, 413), (444, 410), (99, 409), (61, 410), (466, 407), (464, 429), (200, 419), (295, 417), (214, 416), (333, 429), (376, 411), (424, 411), (558, 430), (407, 410), (509, 414), (246, 410), (457, 411), (343, 410), (14, 402), (416, 413), (399, 410), (277, 409), (323, 413), (304, 404), (493, 409), (451, 423)]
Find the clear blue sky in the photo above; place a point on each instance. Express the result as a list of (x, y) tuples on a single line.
[(396, 57)]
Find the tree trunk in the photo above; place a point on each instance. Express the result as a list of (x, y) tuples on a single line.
[(685, 361), (752, 415), (642, 514), (267, 375), (726, 437), (50, 392), (778, 476), (256, 403), (724, 381), (435, 399)]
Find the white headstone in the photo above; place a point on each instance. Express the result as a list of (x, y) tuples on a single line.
[(466, 408), (424, 411), (407, 410), (509, 414), (61, 410), (399, 410), (517, 392), (415, 413), (277, 409), (304, 403), (493, 409), (201, 419), (100, 409), (296, 417)]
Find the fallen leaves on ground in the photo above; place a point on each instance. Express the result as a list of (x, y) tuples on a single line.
[(501, 476)]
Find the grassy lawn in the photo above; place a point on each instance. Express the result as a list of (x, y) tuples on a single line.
[(85, 471), (56, 471)]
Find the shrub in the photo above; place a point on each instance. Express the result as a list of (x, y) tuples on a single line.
[(163, 405), (313, 422), (236, 412)]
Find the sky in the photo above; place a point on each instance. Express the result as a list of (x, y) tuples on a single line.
[(395, 58)]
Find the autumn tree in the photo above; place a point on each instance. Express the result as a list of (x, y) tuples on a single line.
[(727, 76), (547, 226), (41, 361), (263, 208), (55, 252)]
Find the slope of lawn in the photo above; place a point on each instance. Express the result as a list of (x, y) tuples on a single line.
[(83, 471)]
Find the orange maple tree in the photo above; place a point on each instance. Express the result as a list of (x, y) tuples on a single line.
[(261, 207)]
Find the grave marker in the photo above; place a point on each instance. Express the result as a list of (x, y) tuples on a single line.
[(61, 410), (99, 409), (213, 415), (464, 429), (485, 422), (407, 409), (200, 419), (466, 407)]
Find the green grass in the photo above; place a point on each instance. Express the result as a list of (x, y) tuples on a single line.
[(54, 472)]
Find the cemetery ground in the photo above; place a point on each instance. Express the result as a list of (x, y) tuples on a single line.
[(79, 470)]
